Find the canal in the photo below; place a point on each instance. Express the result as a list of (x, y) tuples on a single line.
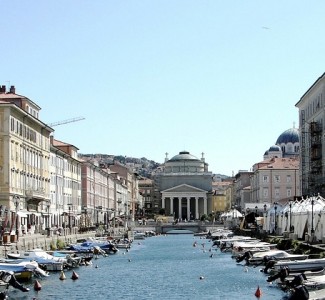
[(161, 267)]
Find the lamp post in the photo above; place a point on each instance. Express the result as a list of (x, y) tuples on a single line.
[(17, 201), (312, 219), (275, 223), (48, 204), (290, 206), (125, 215), (85, 211), (69, 220)]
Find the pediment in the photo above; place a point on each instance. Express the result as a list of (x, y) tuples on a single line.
[(184, 188)]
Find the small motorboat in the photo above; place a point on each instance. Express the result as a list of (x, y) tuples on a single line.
[(240, 248), (263, 257), (46, 261), (23, 270), (300, 265)]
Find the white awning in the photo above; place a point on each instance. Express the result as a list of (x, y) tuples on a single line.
[(22, 214)]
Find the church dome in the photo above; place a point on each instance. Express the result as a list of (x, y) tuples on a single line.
[(289, 136), (184, 155), (275, 148)]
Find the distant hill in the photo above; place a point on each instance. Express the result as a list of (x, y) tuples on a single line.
[(143, 166)]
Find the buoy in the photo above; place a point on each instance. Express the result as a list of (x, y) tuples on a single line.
[(37, 286), (258, 292), (129, 260), (211, 255), (201, 277), (96, 266), (74, 275), (62, 276)]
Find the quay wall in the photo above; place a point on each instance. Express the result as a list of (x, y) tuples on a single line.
[(41, 241)]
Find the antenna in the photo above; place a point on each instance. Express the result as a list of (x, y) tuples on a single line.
[(66, 121)]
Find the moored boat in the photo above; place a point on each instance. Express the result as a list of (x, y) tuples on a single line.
[(300, 265)]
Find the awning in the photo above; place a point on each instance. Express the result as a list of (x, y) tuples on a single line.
[(22, 214)]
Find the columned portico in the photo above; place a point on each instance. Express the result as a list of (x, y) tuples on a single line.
[(185, 202)]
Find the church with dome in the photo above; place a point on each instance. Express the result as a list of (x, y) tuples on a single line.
[(184, 184), (287, 145)]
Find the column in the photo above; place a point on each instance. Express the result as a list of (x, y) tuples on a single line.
[(188, 208), (197, 208), (163, 202), (172, 206), (205, 205), (180, 207)]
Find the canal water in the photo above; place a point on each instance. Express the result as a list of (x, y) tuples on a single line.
[(161, 267)]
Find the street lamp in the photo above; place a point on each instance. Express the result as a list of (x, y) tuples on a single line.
[(275, 208), (48, 204), (16, 201), (69, 220), (312, 219), (290, 206), (256, 209), (85, 211)]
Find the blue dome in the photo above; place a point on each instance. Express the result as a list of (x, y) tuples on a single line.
[(184, 155), (289, 136), (275, 148)]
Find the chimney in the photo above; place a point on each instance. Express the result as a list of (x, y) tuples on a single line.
[(3, 89), (12, 89)]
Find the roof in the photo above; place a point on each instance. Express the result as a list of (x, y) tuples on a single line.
[(278, 163), (184, 155)]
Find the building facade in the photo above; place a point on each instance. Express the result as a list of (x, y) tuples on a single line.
[(65, 204), (274, 180), (312, 151), (24, 163), (185, 186)]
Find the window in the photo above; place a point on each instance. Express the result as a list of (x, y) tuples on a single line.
[(277, 193), (277, 178), (265, 179), (288, 178), (265, 192), (289, 192)]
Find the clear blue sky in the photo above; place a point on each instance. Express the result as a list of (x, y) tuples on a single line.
[(156, 76)]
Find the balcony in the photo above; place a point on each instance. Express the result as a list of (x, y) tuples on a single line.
[(35, 193)]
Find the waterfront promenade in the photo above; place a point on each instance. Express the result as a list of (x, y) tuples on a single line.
[(28, 242)]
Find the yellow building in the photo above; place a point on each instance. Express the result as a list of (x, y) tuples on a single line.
[(24, 163)]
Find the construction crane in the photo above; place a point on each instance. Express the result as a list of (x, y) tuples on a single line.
[(66, 121)]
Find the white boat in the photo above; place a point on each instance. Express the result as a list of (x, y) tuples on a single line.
[(300, 265), (240, 248), (317, 295), (23, 270), (274, 254), (139, 235), (46, 261), (228, 242)]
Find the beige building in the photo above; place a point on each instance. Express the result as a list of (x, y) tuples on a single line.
[(312, 150), (275, 179), (65, 205), (24, 163)]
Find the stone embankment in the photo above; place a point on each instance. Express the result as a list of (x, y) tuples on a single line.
[(28, 242)]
